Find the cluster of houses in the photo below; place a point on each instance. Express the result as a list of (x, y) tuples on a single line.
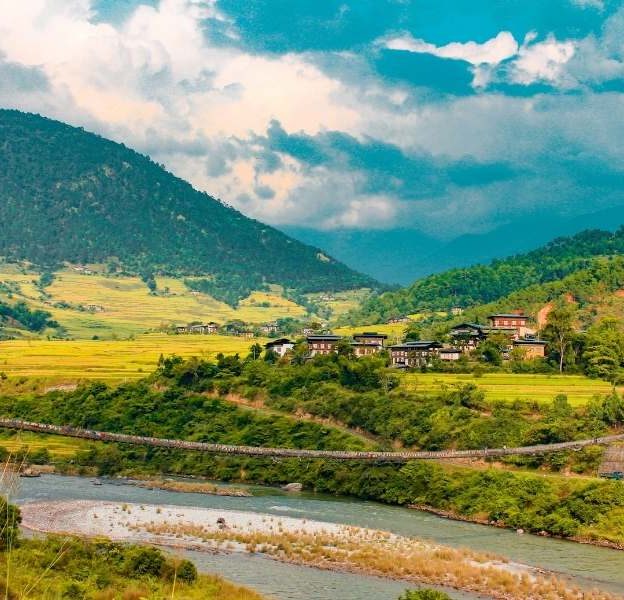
[(411, 354), (464, 338), (236, 328)]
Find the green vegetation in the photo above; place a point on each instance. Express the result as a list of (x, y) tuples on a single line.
[(89, 200), (179, 402), (20, 315), (483, 284), (424, 595), (47, 569), (363, 395)]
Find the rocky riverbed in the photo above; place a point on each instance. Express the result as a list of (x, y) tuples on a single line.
[(301, 541)]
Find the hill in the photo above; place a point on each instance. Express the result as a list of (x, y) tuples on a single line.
[(70, 195), (482, 284)]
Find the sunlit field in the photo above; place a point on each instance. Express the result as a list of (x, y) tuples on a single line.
[(506, 386), (99, 305), (32, 443), (114, 361)]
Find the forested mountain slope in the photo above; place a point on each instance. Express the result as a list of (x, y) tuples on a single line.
[(483, 284), (69, 195)]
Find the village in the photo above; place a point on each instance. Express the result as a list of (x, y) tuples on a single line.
[(463, 339)]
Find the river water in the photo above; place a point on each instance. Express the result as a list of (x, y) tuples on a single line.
[(587, 566)]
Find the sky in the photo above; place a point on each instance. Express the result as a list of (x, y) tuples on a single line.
[(449, 117)]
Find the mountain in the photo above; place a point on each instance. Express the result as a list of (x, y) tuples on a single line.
[(486, 283), (399, 256), (389, 255), (70, 195), (523, 235)]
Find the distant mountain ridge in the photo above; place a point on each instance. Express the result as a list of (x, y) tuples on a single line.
[(399, 256), (70, 195), (482, 284)]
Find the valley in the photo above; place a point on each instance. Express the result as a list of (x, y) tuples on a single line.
[(134, 304)]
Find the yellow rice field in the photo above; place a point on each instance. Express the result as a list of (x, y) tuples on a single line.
[(95, 304), (510, 386), (114, 361)]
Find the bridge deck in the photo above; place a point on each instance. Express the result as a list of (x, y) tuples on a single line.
[(398, 457)]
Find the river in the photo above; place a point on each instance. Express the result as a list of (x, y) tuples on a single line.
[(587, 566)]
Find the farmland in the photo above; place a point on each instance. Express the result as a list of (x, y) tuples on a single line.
[(112, 361), (100, 305), (510, 386)]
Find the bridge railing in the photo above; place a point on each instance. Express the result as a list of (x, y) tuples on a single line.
[(401, 456)]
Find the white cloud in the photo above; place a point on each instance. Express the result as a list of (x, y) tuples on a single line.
[(542, 61), (159, 85), (491, 52)]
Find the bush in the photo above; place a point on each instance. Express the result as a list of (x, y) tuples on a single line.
[(426, 594), (144, 561)]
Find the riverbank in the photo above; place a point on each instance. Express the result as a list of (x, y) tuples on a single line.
[(301, 541), (192, 487)]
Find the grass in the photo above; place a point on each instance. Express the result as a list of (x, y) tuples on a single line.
[(128, 307), (57, 447), (509, 386), (71, 568), (57, 362), (387, 555)]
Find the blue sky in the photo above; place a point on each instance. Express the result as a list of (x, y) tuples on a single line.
[(446, 117)]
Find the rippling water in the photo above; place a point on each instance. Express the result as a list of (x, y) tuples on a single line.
[(588, 566)]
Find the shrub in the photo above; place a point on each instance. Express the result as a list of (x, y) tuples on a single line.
[(426, 594), (144, 561)]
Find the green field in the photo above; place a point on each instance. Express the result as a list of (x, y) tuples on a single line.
[(115, 361), (509, 386)]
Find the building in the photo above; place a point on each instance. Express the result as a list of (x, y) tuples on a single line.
[(456, 311), (511, 321), (531, 347), (367, 343), (467, 336), (203, 328), (322, 343), (401, 319), (181, 329), (612, 466), (281, 346), (270, 328), (449, 354), (370, 337), (413, 354)]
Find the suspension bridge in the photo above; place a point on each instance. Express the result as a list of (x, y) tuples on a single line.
[(341, 455)]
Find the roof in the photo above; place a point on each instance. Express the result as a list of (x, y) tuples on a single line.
[(417, 345), (471, 326), (529, 342), (280, 342), (508, 316), (449, 350), (329, 336), (370, 334)]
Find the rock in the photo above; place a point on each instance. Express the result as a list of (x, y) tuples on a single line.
[(29, 472), (519, 531), (293, 487)]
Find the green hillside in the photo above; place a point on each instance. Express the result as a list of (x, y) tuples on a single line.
[(69, 195), (487, 283)]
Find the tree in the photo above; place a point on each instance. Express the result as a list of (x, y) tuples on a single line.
[(604, 353), (559, 330), (255, 350), (344, 348)]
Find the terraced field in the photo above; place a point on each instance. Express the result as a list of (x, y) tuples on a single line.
[(97, 304), (59, 362), (509, 386)]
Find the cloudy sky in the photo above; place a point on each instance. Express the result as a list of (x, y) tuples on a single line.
[(445, 116)]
